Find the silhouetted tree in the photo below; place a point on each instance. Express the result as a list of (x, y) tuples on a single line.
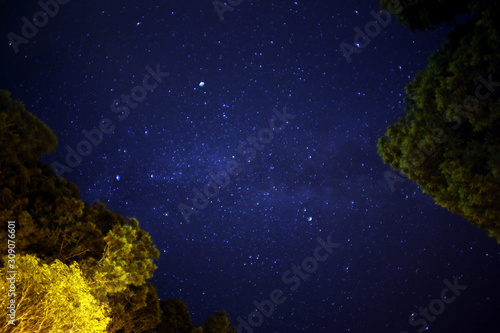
[(176, 319), (429, 14)]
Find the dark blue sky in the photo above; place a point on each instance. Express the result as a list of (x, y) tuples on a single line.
[(319, 176)]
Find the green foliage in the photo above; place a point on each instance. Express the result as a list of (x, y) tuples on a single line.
[(126, 253), (448, 143)]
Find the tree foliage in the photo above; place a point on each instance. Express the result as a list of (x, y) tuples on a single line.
[(176, 319), (448, 142), (429, 14), (136, 310), (53, 298), (219, 323)]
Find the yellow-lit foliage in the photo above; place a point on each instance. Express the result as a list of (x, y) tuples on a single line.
[(51, 298)]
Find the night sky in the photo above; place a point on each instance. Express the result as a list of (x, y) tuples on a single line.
[(213, 86)]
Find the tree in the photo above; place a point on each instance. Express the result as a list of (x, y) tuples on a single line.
[(176, 319), (23, 135), (220, 323), (127, 259), (137, 309), (51, 298), (429, 14), (448, 142)]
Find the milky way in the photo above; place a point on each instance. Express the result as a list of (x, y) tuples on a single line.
[(319, 177)]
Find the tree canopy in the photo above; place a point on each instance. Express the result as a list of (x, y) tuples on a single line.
[(429, 14), (176, 319), (448, 142)]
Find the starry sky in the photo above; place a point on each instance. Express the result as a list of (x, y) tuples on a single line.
[(218, 84)]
